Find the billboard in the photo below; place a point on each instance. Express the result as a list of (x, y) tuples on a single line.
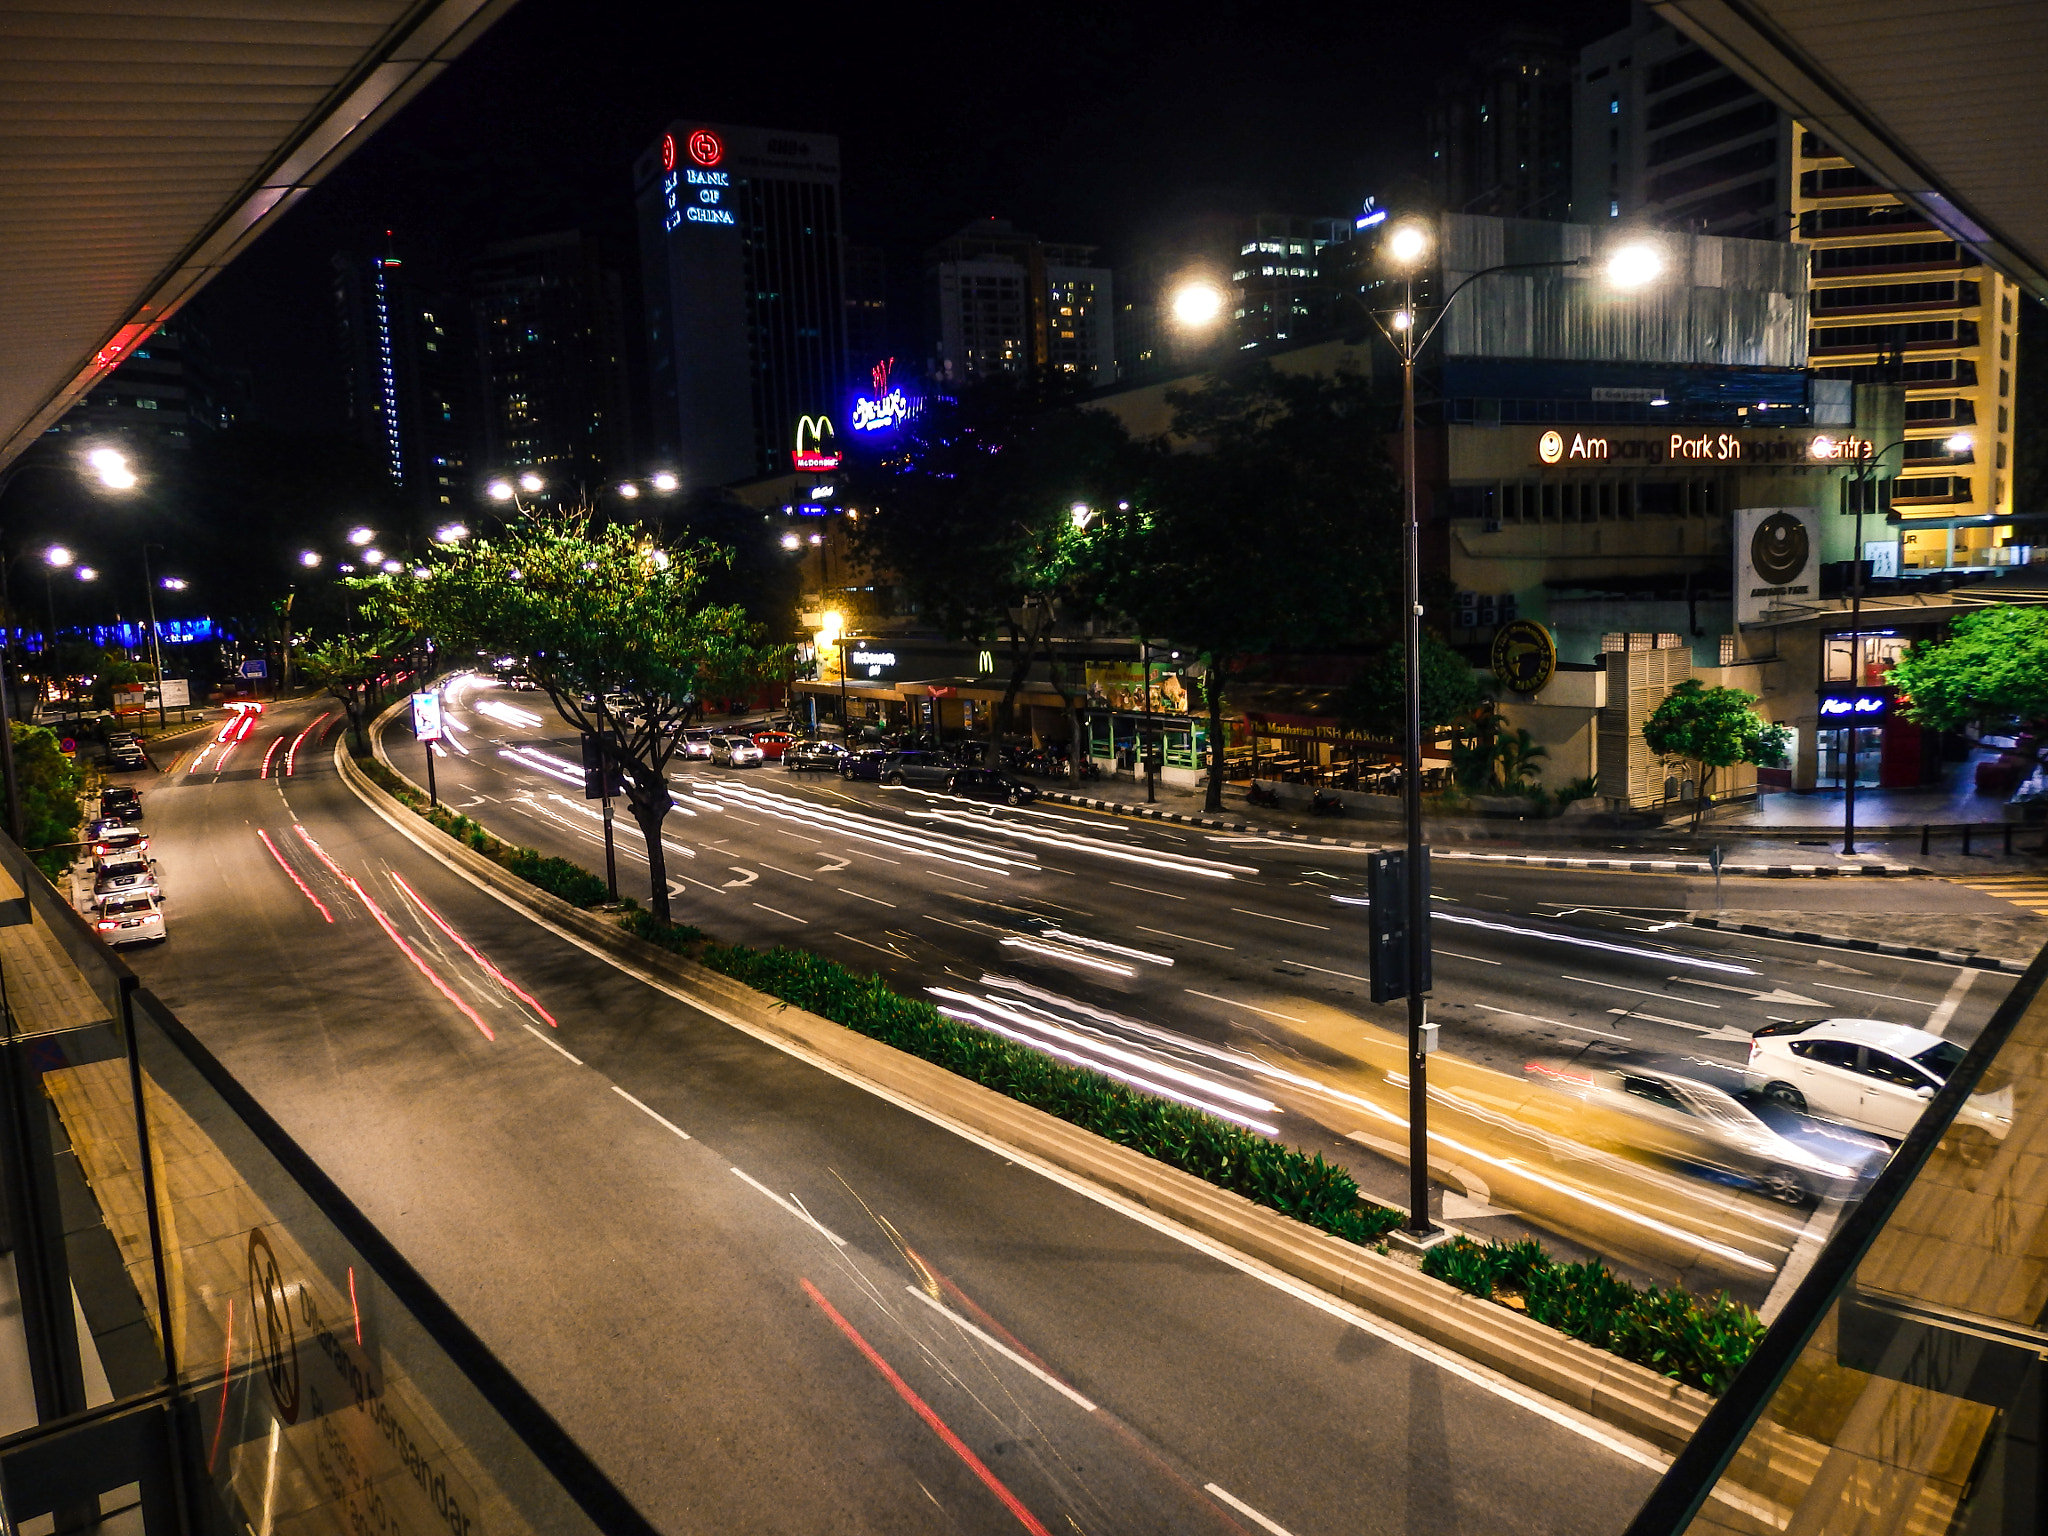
[(426, 716), (1777, 562)]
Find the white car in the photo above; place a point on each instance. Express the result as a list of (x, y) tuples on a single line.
[(131, 920), (1866, 1073), (696, 742), (122, 876), (735, 752)]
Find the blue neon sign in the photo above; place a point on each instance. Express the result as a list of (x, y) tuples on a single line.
[(1862, 706)]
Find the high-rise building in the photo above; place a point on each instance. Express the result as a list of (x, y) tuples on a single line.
[(1664, 134), (550, 350), (743, 265), (1281, 285), (867, 310), (1500, 130), (163, 395), (407, 350), (1896, 300), (1006, 302)]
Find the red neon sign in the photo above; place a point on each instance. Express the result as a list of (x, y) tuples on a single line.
[(706, 148), (668, 151)]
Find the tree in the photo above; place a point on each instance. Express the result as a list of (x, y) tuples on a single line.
[(49, 784), (348, 667), (1993, 668), (610, 623), (1278, 527), (1376, 698), (1713, 728)]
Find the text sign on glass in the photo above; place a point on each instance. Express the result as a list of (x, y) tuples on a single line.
[(1861, 706)]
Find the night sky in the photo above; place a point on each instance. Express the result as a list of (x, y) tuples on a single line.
[(1107, 125)]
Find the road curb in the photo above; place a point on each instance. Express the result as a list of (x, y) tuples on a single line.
[(1867, 946), (1629, 1397), (1537, 860)]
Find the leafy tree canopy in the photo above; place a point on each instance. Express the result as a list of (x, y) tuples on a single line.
[(1376, 699), (1713, 728), (1992, 668), (50, 784), (347, 666)]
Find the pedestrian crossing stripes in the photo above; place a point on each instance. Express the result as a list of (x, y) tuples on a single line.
[(2029, 891)]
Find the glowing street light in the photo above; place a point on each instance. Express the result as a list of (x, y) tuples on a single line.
[(1961, 443), (450, 533), (1633, 266), (392, 567), (1079, 515), (791, 541), (499, 490), (58, 556), (1407, 244), (1403, 319), (361, 536), (174, 583), (112, 468), (530, 482), (1197, 304), (629, 490), (87, 573), (374, 556), (665, 482), (309, 558)]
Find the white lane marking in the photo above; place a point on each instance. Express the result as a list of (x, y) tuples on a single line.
[(1456, 955), (551, 1044), (893, 954), (982, 932), (1516, 1013), (1566, 938), (1269, 917), (1614, 986), (1305, 966), (1938, 1021), (1002, 1349), (1169, 895), (1271, 1526), (866, 855), (956, 879), (1231, 1002), (789, 872), (749, 877), (780, 913), (865, 897), (1184, 938), (1805, 1249), (803, 1216), (1705, 1029), (1828, 986), (651, 1114), (835, 865)]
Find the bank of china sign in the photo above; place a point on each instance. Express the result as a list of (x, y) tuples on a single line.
[(1777, 562)]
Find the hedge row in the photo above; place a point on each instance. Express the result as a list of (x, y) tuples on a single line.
[(1702, 1341)]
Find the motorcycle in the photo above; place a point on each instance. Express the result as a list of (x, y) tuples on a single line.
[(1262, 794), (1324, 804)]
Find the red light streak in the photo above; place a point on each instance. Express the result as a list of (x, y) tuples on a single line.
[(353, 1308), (291, 759), (227, 1373), (923, 1410), (222, 765), (265, 773), (395, 936), (495, 974), (305, 889)]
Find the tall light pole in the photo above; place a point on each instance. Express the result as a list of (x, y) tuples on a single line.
[(1826, 448), (156, 649), (1407, 246)]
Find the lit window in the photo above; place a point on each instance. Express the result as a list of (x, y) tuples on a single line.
[(1614, 209), (1614, 106)]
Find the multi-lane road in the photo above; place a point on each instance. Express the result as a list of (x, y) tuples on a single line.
[(765, 1299)]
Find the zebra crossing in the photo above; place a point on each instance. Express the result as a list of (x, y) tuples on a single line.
[(2029, 891)]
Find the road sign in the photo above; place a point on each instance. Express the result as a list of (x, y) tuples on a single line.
[(176, 693), (255, 666), (601, 779), (426, 716), (1386, 887)]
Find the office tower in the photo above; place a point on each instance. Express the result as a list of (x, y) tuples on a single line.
[(162, 396), (550, 351), (743, 268), (867, 311), (1663, 134), (406, 348), (1500, 130), (1281, 286), (1006, 302)]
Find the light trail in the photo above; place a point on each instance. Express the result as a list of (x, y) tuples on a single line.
[(291, 758), (508, 714), (1184, 864), (468, 949), (304, 889), (1660, 956), (264, 772), (867, 829)]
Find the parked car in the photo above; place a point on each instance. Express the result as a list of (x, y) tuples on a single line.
[(735, 751), (131, 919), (803, 756), (119, 838), (126, 755), (918, 766), (1703, 1116), (990, 784), (696, 743), (773, 743), (866, 763), (1875, 1076), (128, 874), (120, 804)]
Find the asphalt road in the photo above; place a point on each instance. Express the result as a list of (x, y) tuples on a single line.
[(1229, 969), (764, 1326)]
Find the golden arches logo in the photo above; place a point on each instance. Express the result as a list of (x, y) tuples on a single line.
[(814, 430)]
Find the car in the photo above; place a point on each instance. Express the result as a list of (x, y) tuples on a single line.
[(128, 874), (1867, 1073), (119, 838), (120, 804), (989, 784), (126, 756), (735, 751), (918, 766), (1704, 1117), (696, 742), (774, 743), (802, 756), (131, 919), (864, 764)]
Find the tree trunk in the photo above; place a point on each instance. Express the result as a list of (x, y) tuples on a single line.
[(1213, 801), (649, 819)]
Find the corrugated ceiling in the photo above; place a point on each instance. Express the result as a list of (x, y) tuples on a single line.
[(144, 144), (1937, 101)]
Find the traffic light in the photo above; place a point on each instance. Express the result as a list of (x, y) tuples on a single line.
[(601, 778), (1386, 888)]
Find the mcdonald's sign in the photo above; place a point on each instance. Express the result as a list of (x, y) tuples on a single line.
[(813, 433)]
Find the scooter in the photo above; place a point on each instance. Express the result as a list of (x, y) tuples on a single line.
[(1262, 794), (1321, 804)]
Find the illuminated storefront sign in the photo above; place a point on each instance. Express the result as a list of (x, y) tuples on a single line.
[(695, 194), (1842, 450), (1860, 706), (1674, 447), (887, 407), (874, 661), (810, 452)]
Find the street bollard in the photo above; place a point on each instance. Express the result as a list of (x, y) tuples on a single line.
[(1925, 832), (2008, 839), (1966, 837)]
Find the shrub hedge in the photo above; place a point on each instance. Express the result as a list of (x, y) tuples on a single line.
[(1702, 1341)]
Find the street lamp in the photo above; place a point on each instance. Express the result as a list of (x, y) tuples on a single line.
[(112, 468), (1407, 245), (499, 490), (450, 533), (665, 482), (309, 558), (1827, 450), (1197, 304), (530, 482), (361, 536)]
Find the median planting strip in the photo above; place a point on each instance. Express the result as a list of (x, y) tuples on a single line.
[(1681, 1337)]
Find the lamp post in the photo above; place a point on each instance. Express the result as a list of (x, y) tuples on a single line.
[(155, 645), (1826, 448), (1407, 245)]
